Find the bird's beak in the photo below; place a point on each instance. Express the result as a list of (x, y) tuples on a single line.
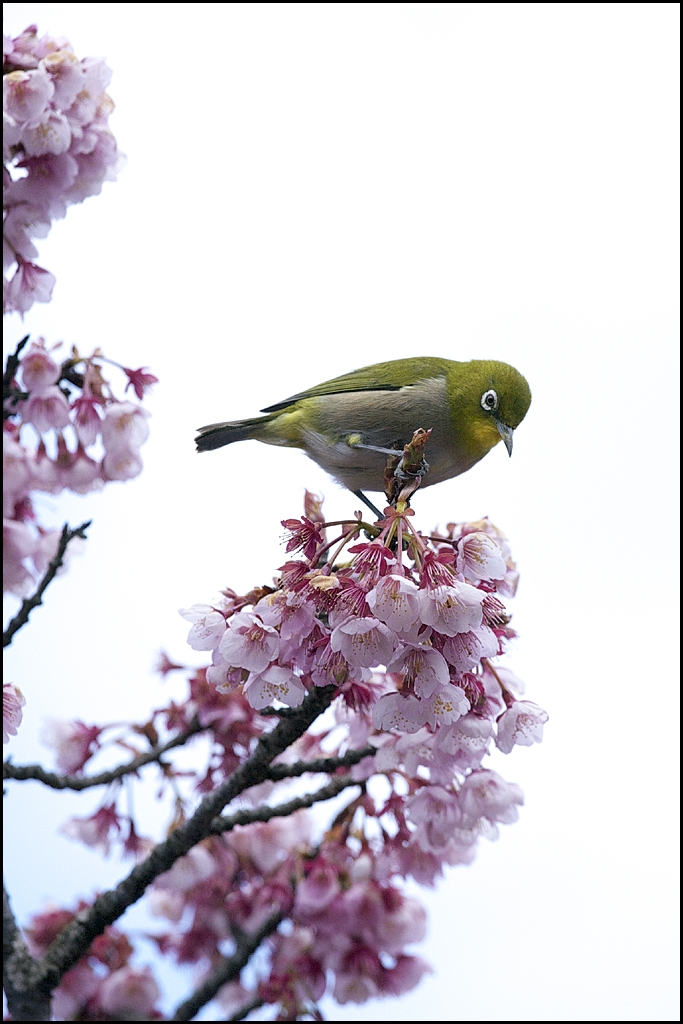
[(506, 433)]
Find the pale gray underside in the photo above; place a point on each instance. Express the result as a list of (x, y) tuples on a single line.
[(387, 419)]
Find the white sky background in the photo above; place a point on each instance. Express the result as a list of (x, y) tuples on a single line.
[(315, 187)]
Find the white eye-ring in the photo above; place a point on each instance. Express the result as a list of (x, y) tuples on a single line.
[(489, 400)]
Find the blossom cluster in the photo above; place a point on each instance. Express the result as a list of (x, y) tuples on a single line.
[(432, 620), (102, 986), (58, 150), (408, 629), (65, 429)]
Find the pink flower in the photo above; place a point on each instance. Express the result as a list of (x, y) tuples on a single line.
[(96, 78), (485, 794), (124, 428), (130, 994), (83, 474), (26, 94), (30, 284), (49, 179), (87, 419), (39, 371), (304, 535), (66, 75), (522, 725), (452, 609), (13, 701), (121, 465), (446, 705), (436, 814), (357, 978), (73, 742), (49, 133), (465, 650), (295, 615), (364, 642), (17, 473), (398, 711), (318, 887), (422, 667), (46, 549), (403, 922), (395, 601), (95, 831), (407, 972), (47, 410), (140, 381), (194, 868), (208, 626), (276, 683), (466, 740), (18, 544), (22, 223), (76, 988), (480, 558), (249, 643)]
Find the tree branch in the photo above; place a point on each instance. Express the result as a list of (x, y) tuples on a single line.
[(75, 939), (27, 999), (246, 817), (229, 969), (321, 764), (27, 606), (22, 772)]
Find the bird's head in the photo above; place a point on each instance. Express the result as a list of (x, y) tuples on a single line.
[(488, 401)]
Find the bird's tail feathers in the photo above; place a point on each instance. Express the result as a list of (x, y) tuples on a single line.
[(215, 435)]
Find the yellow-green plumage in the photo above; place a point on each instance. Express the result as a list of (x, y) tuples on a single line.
[(469, 406)]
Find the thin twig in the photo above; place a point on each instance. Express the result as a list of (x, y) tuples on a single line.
[(320, 764), (27, 606), (22, 772), (75, 939), (264, 813), (229, 969)]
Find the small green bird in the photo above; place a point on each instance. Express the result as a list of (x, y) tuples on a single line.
[(348, 425)]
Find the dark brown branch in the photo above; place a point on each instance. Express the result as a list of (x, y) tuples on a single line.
[(321, 764), (22, 772), (248, 816), (27, 999), (228, 970), (10, 393), (75, 939), (27, 606)]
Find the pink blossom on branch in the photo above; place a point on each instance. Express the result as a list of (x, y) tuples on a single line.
[(58, 150), (69, 405), (425, 724)]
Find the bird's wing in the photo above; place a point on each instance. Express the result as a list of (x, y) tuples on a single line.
[(391, 376)]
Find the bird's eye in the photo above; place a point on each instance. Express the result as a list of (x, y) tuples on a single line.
[(489, 400)]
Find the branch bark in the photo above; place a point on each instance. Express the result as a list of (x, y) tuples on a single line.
[(227, 822), (76, 938), (77, 782), (27, 998), (29, 603), (228, 970)]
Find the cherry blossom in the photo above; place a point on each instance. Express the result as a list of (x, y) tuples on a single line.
[(58, 150), (522, 724), (13, 701)]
